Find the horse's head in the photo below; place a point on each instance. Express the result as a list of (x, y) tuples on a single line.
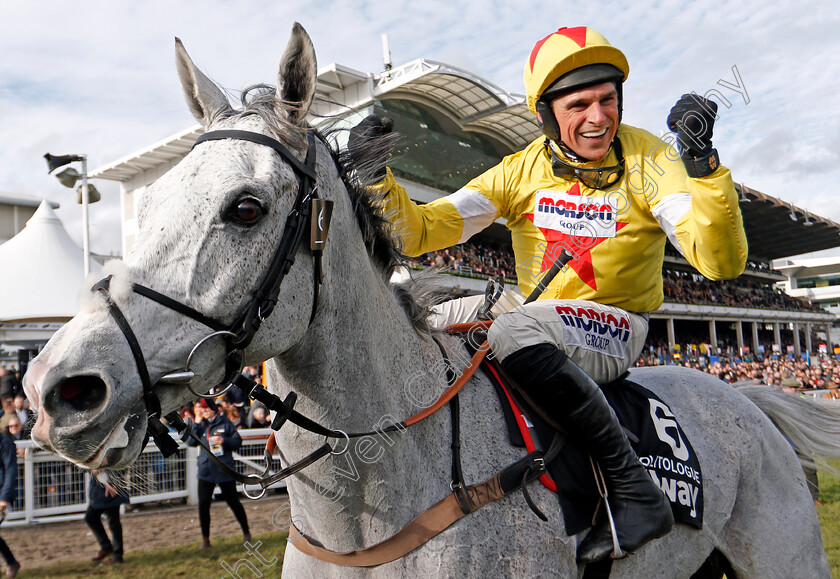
[(207, 233)]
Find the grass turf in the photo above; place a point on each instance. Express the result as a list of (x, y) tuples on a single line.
[(188, 561), (183, 561), (829, 512)]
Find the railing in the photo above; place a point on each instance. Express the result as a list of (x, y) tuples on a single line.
[(50, 489)]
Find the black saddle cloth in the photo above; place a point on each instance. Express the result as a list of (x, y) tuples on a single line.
[(654, 434)]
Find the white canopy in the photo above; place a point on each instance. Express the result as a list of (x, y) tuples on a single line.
[(42, 271)]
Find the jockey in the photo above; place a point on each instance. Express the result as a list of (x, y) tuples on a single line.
[(610, 194)]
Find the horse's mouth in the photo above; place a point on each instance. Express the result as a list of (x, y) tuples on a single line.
[(117, 436)]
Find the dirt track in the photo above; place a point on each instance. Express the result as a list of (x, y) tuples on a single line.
[(151, 527)]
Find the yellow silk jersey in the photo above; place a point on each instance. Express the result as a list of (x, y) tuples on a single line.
[(617, 236)]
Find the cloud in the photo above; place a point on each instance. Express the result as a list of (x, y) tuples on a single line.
[(98, 77)]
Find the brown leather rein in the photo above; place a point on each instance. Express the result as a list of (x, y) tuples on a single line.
[(448, 394), (440, 516)]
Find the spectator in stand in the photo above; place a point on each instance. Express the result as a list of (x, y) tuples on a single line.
[(7, 382), (8, 406), (187, 413), (24, 415), (685, 287), (816, 373), (15, 432), (222, 404), (238, 398), (259, 417), (235, 417), (471, 258)]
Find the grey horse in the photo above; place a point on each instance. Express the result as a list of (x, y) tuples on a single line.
[(367, 358)]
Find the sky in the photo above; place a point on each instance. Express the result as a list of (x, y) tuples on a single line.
[(98, 77)]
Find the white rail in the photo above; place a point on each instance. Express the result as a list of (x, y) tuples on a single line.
[(50, 489)]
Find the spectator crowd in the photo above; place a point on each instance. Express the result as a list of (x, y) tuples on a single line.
[(237, 407), (484, 259), (471, 258), (689, 288), (16, 418), (818, 373)]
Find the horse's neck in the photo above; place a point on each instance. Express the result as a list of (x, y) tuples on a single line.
[(360, 367), (357, 355)]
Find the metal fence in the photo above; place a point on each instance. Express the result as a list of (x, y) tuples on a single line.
[(50, 489)]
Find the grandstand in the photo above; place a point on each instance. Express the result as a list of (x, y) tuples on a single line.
[(454, 125)]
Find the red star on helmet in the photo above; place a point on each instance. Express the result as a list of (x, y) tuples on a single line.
[(579, 246)]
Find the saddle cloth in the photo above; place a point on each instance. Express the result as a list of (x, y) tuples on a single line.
[(654, 434)]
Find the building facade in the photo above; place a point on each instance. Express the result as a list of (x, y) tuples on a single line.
[(816, 280), (453, 126), (15, 211)]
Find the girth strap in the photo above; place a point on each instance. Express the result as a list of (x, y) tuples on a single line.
[(433, 520), (424, 527)]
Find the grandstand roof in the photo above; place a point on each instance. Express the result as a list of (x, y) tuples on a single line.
[(776, 228), (476, 104)]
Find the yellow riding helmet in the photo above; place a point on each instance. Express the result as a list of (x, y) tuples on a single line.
[(566, 50)]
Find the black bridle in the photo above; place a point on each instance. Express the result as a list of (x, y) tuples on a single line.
[(306, 210), (241, 331)]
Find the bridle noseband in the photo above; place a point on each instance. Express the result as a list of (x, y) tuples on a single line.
[(308, 212), (241, 331)]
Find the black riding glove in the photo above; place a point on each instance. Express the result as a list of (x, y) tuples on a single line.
[(372, 127), (693, 118)]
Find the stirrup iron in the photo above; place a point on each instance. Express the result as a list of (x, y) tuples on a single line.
[(601, 483)]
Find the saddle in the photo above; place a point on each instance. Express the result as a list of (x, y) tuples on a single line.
[(654, 434)]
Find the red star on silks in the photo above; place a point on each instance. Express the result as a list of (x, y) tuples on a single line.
[(557, 241)]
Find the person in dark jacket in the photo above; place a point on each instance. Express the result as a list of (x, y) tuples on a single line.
[(8, 382), (105, 499), (259, 417), (222, 438), (8, 492)]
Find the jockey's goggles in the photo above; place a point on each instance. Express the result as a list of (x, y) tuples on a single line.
[(593, 177)]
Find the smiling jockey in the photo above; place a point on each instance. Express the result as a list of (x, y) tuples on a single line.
[(610, 194)]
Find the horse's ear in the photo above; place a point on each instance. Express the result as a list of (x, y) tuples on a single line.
[(298, 75), (206, 100)]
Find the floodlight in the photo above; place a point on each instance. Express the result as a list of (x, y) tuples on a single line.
[(56, 161)]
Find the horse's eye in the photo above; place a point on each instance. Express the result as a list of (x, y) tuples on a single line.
[(246, 211)]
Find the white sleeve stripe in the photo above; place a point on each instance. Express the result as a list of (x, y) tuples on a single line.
[(669, 211), (476, 211)]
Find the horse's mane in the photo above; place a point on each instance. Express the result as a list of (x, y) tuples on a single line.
[(417, 295)]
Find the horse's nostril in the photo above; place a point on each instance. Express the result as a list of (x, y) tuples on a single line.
[(71, 389), (81, 393)]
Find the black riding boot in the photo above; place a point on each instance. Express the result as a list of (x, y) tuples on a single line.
[(567, 398)]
